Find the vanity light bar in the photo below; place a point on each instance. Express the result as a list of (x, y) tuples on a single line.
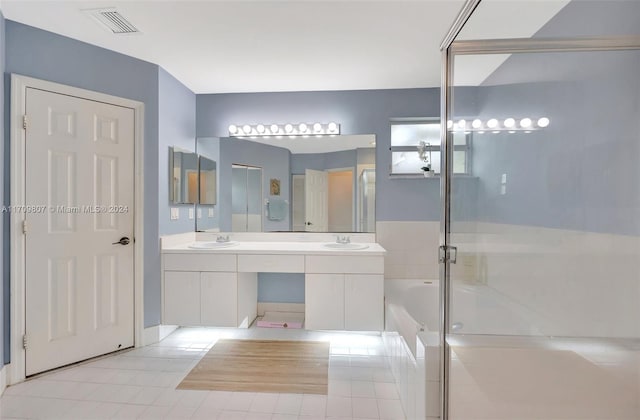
[(494, 125), (289, 129)]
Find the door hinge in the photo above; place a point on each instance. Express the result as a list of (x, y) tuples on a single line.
[(24, 341), (24, 226), (24, 122), (448, 253)]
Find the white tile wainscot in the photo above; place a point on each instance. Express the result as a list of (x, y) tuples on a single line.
[(344, 289)]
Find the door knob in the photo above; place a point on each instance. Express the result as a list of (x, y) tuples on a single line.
[(123, 241)]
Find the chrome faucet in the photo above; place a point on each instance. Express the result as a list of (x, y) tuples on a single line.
[(343, 239), (222, 238)]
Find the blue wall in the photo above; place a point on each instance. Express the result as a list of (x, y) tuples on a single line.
[(44, 55), (275, 162), (358, 112), (177, 127), (580, 173), (281, 287)]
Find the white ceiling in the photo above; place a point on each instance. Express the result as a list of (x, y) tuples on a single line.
[(267, 46), (215, 46)]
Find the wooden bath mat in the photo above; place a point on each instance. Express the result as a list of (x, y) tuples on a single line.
[(262, 366)]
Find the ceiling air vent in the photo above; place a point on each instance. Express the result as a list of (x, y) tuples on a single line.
[(112, 20)]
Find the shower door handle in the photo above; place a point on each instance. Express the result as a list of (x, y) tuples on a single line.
[(448, 253)]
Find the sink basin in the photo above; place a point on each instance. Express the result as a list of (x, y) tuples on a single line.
[(349, 246), (212, 245)]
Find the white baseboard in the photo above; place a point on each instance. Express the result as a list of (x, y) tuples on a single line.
[(279, 307), (165, 330), (3, 379), (156, 333)]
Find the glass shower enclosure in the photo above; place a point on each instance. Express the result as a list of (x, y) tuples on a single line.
[(540, 242)]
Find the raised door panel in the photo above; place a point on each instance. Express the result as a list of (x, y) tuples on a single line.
[(364, 302), (324, 301), (218, 301), (181, 298)]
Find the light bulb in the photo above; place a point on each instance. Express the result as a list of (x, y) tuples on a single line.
[(449, 124), (302, 127), (274, 128), (492, 123), (476, 123), (333, 127), (509, 122), (525, 122), (543, 122), (317, 127), (288, 128), (260, 128), (462, 123), (233, 129), (246, 128)]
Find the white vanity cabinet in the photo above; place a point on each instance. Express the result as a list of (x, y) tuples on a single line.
[(193, 297), (364, 302), (182, 298), (324, 301), (219, 288), (352, 302), (219, 299), (344, 292)]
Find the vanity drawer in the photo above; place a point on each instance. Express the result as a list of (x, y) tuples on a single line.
[(271, 263), (348, 265), (200, 262)]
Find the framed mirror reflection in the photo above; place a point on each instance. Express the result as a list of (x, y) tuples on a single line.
[(302, 184)]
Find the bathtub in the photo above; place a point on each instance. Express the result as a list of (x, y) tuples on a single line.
[(411, 335), (476, 309), (411, 341)]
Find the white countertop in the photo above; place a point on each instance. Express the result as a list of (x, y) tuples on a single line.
[(275, 248)]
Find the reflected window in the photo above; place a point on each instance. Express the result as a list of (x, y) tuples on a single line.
[(408, 135)]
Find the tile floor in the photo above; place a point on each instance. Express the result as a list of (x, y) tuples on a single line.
[(140, 384)]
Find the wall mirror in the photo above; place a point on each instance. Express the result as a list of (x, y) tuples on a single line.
[(312, 184), (183, 179), (207, 214), (208, 189)]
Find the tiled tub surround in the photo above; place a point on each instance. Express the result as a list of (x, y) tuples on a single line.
[(573, 283), (412, 342), (549, 285), (141, 384), (412, 249), (499, 338), (566, 284)]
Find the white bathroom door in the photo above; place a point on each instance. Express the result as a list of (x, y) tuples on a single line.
[(316, 192), (79, 178)]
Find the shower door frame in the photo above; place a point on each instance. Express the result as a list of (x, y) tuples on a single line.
[(449, 49)]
